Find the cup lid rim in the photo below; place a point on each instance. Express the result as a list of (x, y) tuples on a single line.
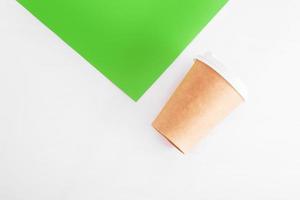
[(227, 74)]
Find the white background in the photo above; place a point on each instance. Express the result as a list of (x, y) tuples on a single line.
[(66, 132)]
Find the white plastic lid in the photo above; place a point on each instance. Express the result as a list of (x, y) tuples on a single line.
[(228, 75)]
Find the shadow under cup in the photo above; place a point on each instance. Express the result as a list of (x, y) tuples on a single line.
[(207, 94)]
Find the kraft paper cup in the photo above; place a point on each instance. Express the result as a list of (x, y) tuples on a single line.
[(207, 94)]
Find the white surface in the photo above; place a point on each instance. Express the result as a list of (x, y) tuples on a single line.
[(67, 133)]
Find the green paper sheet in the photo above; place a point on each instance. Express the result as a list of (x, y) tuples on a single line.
[(131, 42)]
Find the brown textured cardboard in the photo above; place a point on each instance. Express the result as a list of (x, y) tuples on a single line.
[(199, 103)]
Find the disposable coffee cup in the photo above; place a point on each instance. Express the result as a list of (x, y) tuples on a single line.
[(207, 94)]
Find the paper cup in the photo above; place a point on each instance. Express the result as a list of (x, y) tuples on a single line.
[(207, 94)]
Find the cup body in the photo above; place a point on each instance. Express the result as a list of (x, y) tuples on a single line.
[(199, 103)]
